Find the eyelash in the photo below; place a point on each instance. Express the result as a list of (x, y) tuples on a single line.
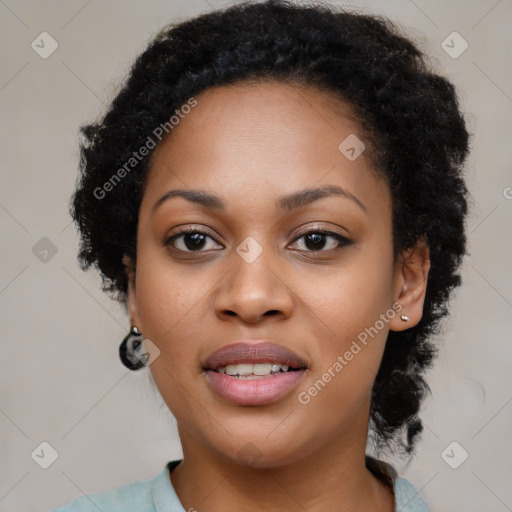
[(342, 240)]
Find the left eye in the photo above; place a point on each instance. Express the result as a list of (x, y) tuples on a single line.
[(315, 240)]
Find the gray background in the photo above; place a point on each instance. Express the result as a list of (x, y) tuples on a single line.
[(60, 377)]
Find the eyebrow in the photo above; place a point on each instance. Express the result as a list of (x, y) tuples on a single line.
[(288, 202)]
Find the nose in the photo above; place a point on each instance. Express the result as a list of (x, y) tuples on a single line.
[(252, 292)]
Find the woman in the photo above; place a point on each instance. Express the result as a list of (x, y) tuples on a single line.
[(276, 195)]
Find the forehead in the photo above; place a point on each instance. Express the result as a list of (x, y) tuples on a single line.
[(253, 142)]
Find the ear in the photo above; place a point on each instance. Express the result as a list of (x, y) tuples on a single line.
[(410, 285), (131, 295)]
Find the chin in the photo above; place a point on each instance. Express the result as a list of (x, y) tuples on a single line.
[(261, 452)]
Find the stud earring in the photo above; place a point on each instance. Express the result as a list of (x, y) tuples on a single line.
[(128, 348), (404, 318)]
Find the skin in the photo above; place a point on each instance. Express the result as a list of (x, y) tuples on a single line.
[(251, 144)]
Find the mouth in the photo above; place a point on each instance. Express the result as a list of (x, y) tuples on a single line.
[(253, 373), (255, 370), (254, 359)]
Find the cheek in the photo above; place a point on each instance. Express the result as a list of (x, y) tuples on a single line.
[(169, 307), (345, 368), (352, 297), (166, 293), (355, 309), (170, 314)]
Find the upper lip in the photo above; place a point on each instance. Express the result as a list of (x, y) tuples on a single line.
[(254, 351)]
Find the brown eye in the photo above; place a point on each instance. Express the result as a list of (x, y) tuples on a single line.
[(193, 240), (190, 240), (316, 240)]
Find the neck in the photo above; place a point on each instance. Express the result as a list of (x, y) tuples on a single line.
[(334, 477)]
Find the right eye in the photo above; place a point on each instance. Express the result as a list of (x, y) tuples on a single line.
[(190, 240)]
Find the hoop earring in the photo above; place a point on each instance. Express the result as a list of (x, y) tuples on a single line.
[(128, 350)]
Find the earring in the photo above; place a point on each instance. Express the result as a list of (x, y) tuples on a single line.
[(404, 318), (128, 350)]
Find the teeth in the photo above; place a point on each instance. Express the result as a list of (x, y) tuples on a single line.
[(258, 369)]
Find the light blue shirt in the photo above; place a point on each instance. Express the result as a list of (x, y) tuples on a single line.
[(158, 495)]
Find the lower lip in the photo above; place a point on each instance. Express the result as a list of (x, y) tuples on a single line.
[(261, 391)]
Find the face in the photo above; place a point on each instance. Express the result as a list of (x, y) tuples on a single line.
[(262, 268)]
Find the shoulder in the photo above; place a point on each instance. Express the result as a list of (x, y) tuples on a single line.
[(134, 496), (407, 497)]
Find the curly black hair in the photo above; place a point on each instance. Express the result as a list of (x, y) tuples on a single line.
[(418, 143)]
